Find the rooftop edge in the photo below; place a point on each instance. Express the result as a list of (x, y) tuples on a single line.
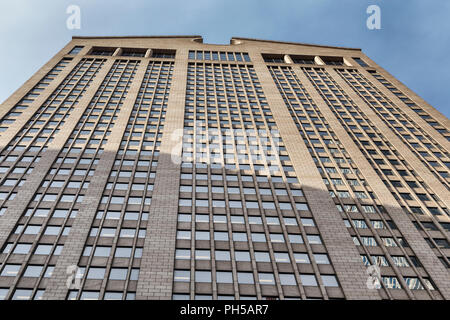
[(198, 37)]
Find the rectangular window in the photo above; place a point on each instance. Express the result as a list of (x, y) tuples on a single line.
[(360, 62), (76, 50)]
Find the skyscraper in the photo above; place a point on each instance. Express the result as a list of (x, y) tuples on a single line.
[(166, 168)]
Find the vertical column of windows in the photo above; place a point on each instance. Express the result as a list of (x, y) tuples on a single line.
[(23, 153), (411, 104), (244, 226), (25, 102), (379, 152), (430, 153), (367, 221), (109, 266), (49, 216)]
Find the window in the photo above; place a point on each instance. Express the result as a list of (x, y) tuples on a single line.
[(303, 59), (52, 230), (38, 295), (245, 278), (123, 252), (301, 258), (224, 277), (285, 206), (415, 284), (113, 296), (308, 280), (56, 184), (282, 257), (239, 236), (96, 273), (185, 202), (118, 274), (201, 203), (3, 293), (167, 54), (108, 232), (185, 188), (202, 276), (220, 236), (10, 270), (33, 271), (89, 295), (131, 216), (295, 238), (127, 233), (360, 62), (202, 254), (76, 50), (254, 220), (333, 61), (133, 52), (59, 213), (269, 205), (242, 255), (389, 242), (266, 278), (181, 297), (301, 206), (182, 276), (114, 200), (273, 221), (97, 51), (307, 222), (201, 235), (40, 212), (262, 256), (222, 255), (43, 249), (182, 254), (102, 251), (32, 229), (22, 294), (251, 205), (22, 248), (201, 218), (329, 281), (50, 197), (391, 282), (400, 261), (367, 241), (287, 279), (277, 58), (276, 237), (184, 217), (321, 258), (235, 204)]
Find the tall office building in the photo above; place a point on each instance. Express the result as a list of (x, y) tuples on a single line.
[(166, 168)]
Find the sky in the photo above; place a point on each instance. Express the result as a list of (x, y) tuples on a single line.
[(412, 44)]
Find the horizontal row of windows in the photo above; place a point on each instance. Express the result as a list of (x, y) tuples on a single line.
[(306, 59), (242, 236), (125, 52), (260, 256), (218, 56), (264, 278)]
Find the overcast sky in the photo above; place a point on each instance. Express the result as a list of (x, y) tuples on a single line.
[(413, 43)]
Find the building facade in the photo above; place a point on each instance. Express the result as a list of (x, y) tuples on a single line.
[(166, 168)]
